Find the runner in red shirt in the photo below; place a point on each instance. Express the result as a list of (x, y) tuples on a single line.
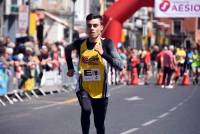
[(147, 66), (158, 59)]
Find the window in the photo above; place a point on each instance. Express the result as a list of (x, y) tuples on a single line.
[(109, 2), (198, 24), (177, 26), (14, 1)]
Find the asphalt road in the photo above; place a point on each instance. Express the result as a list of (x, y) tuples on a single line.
[(132, 110)]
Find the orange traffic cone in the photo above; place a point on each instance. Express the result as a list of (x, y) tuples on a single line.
[(159, 78), (177, 72), (135, 79), (186, 79)]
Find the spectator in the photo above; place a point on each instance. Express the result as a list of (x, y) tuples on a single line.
[(180, 58), (154, 63), (167, 64), (147, 66)]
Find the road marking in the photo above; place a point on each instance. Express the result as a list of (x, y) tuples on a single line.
[(173, 109), (114, 88), (48, 106), (47, 101), (68, 101), (149, 122), (180, 104), (130, 131), (163, 115), (134, 98)]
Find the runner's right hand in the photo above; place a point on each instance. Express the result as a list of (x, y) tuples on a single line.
[(70, 73)]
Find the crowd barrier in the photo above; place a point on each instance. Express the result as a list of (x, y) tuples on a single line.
[(51, 82), (67, 81), (3, 82)]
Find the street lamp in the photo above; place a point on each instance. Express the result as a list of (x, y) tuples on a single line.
[(28, 3), (72, 23)]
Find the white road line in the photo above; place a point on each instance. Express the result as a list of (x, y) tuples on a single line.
[(64, 102), (48, 106), (173, 109), (149, 122), (47, 101), (114, 88), (130, 131), (163, 115), (180, 104), (134, 98)]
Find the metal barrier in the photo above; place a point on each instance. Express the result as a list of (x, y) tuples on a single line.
[(113, 76), (3, 82), (52, 81), (68, 82), (4, 85)]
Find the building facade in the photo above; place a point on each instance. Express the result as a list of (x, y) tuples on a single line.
[(61, 12), (181, 31)]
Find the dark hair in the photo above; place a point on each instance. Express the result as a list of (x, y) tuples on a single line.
[(94, 16)]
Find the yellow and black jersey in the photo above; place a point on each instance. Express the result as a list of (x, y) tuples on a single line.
[(93, 66)]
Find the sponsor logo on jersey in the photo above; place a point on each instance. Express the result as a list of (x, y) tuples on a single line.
[(90, 60)]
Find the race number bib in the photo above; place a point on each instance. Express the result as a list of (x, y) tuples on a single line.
[(91, 75)]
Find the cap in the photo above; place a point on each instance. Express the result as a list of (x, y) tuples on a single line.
[(20, 56)]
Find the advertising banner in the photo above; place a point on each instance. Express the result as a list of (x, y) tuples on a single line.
[(51, 81), (3, 82), (23, 19), (177, 8)]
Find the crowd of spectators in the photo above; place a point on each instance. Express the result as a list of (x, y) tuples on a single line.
[(24, 60), (172, 61)]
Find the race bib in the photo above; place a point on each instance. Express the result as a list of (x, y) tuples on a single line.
[(91, 75)]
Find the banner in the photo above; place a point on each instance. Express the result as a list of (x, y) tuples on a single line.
[(51, 81), (32, 24), (177, 8), (23, 19), (3, 82)]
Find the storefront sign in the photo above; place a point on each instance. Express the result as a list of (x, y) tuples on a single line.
[(177, 8)]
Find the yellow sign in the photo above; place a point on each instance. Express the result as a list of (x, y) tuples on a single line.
[(32, 24)]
